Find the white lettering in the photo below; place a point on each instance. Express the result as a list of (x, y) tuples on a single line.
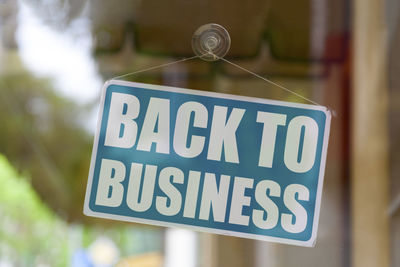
[(223, 134), (296, 208), (270, 208), (217, 198), (296, 160), (135, 181), (175, 198), (271, 122), (182, 128), (239, 200), (110, 190), (124, 108), (157, 114), (192, 193)]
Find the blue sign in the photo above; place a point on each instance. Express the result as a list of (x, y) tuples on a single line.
[(206, 161)]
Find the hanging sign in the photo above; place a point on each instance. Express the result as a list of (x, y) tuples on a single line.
[(218, 163)]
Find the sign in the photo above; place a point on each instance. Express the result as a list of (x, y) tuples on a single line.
[(206, 161)]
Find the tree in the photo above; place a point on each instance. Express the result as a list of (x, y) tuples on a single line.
[(42, 134)]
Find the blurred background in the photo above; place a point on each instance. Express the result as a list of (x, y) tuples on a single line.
[(56, 54)]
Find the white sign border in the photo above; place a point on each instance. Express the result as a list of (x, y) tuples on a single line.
[(308, 243)]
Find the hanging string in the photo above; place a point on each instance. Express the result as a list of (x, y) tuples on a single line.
[(155, 67), (227, 61), (271, 82)]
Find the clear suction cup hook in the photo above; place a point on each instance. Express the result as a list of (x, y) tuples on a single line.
[(211, 42)]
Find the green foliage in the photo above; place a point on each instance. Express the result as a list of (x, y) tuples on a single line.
[(42, 134), (29, 230)]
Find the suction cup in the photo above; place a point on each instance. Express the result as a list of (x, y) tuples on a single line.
[(211, 42)]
